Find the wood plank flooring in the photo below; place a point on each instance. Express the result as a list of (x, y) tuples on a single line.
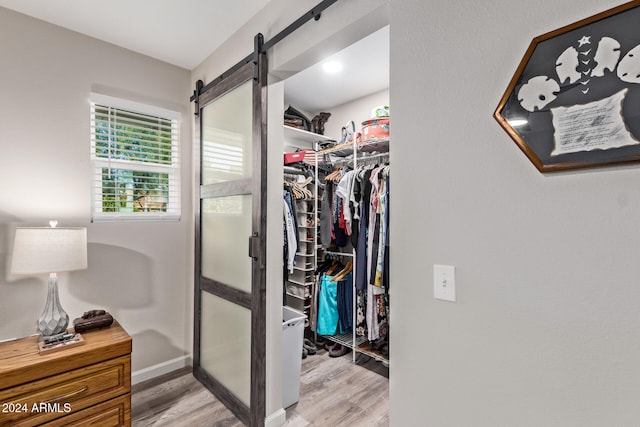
[(333, 392)]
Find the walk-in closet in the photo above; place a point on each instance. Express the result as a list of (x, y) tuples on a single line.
[(337, 184)]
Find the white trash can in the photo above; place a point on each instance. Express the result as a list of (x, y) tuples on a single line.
[(292, 337)]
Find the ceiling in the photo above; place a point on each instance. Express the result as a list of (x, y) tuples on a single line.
[(365, 70), (181, 32), (186, 32)]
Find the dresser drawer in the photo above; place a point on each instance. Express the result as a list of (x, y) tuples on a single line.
[(113, 413), (64, 394)]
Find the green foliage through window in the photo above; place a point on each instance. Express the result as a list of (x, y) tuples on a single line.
[(132, 191)]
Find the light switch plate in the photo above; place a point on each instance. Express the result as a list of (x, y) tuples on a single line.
[(444, 282)]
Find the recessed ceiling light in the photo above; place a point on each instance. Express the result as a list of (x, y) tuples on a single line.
[(332, 66)]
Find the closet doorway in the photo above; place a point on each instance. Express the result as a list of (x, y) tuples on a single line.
[(349, 92)]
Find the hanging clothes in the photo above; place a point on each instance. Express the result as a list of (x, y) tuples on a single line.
[(361, 249), (335, 302), (343, 191), (325, 216), (290, 232), (328, 316), (383, 222), (385, 279), (355, 210), (345, 304)]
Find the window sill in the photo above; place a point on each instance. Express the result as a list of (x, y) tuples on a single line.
[(138, 217)]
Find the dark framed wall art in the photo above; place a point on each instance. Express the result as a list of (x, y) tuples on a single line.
[(574, 101)]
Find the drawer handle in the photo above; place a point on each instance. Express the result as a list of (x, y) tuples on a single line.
[(66, 396)]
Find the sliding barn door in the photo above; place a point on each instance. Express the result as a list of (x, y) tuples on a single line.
[(229, 342)]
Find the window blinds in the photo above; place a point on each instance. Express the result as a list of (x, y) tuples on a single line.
[(136, 161)]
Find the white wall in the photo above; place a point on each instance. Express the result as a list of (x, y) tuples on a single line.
[(139, 272), (357, 110), (545, 330)]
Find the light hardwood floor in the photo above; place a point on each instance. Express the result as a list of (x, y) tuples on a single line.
[(333, 392)]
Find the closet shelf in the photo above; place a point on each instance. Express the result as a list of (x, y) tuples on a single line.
[(303, 135), (379, 145), (298, 303), (366, 349), (343, 150), (303, 254), (300, 283), (361, 346), (298, 291), (345, 339)]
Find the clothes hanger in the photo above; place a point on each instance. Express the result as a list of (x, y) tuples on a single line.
[(336, 264), (334, 176), (301, 187), (329, 177), (348, 268)]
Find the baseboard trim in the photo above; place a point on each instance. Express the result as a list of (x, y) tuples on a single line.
[(276, 419), (160, 369)]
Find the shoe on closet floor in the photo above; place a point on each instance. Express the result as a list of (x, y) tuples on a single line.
[(309, 346), (379, 343), (339, 350), (304, 353), (330, 345)]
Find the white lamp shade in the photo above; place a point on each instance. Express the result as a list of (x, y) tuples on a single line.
[(49, 250)]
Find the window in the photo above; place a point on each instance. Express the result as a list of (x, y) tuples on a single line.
[(136, 165)]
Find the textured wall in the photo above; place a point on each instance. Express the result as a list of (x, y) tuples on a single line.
[(545, 330), (140, 272)]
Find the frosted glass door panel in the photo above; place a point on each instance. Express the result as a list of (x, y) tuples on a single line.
[(226, 227), (227, 137), (225, 344)]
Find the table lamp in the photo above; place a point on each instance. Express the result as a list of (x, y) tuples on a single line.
[(41, 250)]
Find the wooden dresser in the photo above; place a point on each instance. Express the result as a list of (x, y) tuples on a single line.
[(86, 385)]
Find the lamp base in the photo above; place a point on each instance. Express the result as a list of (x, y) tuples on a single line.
[(53, 320)]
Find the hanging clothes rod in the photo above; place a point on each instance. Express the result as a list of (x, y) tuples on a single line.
[(339, 254), (360, 160)]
